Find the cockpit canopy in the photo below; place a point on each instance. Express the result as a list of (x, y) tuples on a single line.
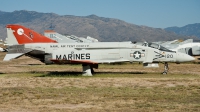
[(153, 45), (159, 47)]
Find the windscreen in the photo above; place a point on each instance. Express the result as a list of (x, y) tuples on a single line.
[(157, 46)]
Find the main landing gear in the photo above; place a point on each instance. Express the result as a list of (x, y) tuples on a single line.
[(166, 68), (88, 69)]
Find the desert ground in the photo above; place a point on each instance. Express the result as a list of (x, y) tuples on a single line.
[(27, 85)]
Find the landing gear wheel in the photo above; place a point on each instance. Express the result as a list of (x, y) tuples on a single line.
[(164, 73), (86, 70)]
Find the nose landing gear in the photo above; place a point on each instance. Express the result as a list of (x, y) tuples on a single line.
[(166, 68)]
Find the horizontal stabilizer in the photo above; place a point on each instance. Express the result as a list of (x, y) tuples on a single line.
[(12, 56), (16, 51)]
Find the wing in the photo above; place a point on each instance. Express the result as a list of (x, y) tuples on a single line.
[(73, 61), (90, 62)]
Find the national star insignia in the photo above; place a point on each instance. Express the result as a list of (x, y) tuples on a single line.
[(137, 55)]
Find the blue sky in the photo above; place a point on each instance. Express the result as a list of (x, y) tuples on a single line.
[(152, 13)]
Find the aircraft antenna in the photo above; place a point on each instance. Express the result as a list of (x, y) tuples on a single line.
[(51, 27)]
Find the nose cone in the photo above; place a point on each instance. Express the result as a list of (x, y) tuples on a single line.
[(181, 57)]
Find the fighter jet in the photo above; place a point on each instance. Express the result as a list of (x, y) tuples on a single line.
[(89, 54), (68, 39), (188, 47)]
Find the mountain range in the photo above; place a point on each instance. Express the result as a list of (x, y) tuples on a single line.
[(188, 30), (101, 28)]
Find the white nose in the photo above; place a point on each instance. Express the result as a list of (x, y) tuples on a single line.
[(182, 57)]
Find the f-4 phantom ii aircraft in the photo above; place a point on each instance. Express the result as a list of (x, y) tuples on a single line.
[(91, 54)]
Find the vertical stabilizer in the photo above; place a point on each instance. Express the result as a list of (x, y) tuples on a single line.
[(18, 34)]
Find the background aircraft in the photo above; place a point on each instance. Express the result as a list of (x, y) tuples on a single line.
[(88, 54), (188, 46), (67, 39)]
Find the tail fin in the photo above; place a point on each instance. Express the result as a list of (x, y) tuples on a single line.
[(18, 34)]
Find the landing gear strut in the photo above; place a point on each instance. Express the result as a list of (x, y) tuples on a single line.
[(166, 68)]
